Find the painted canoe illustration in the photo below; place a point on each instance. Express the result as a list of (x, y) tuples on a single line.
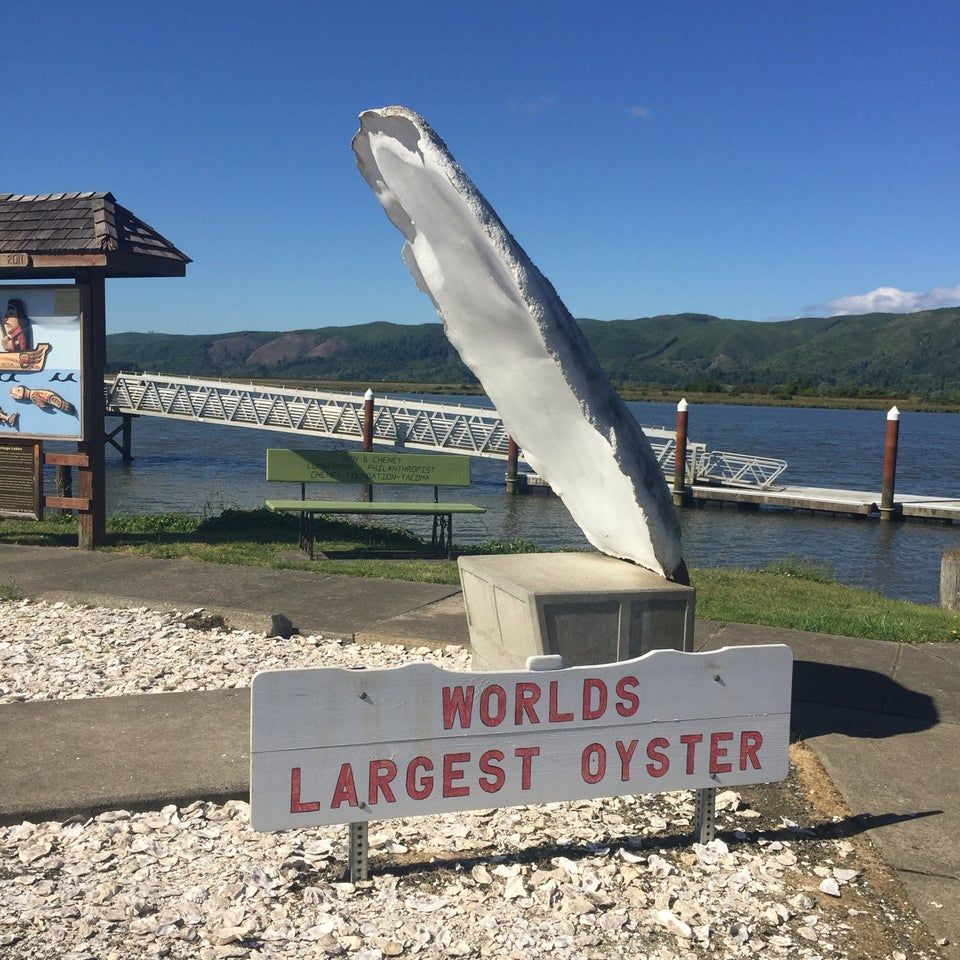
[(44, 399), (26, 361), (8, 419)]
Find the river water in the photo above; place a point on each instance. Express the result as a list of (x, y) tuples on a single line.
[(199, 468)]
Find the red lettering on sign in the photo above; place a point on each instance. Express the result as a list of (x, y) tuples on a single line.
[(457, 702), (346, 790), (717, 753), (661, 762), (450, 774), (422, 789), (626, 755), (596, 751), (629, 702), (554, 715), (750, 743), (591, 686), (527, 694), (488, 761), (295, 805), (382, 774), (526, 755), (493, 718), (690, 741)]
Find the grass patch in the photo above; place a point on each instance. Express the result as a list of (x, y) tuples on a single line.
[(252, 538), (10, 591), (802, 568), (264, 539), (818, 604), (517, 545), (795, 593)]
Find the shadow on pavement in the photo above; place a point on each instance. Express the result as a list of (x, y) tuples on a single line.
[(855, 702)]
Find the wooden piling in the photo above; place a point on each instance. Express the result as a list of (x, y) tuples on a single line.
[(125, 431), (680, 497), (888, 509), (366, 491), (950, 580), (126, 438), (513, 457)]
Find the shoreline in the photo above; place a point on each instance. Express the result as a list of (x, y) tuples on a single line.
[(639, 394)]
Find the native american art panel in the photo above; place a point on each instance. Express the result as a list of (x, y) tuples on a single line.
[(40, 360)]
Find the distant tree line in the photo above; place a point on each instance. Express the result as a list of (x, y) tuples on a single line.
[(869, 356)]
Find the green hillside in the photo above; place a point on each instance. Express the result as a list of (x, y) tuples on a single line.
[(916, 354)]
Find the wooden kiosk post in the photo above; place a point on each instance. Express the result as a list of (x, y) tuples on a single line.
[(53, 350), (90, 478)]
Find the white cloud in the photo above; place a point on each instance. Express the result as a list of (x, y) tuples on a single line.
[(890, 300), (531, 107), (640, 113)]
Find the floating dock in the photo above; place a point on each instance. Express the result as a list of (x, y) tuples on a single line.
[(814, 500), (852, 503)]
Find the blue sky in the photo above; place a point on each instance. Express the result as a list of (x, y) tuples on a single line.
[(752, 160)]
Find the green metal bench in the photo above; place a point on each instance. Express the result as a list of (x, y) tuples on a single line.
[(349, 466)]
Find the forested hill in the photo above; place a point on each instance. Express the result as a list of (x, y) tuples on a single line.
[(916, 354)]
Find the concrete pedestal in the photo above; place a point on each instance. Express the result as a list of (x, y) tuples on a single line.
[(586, 607)]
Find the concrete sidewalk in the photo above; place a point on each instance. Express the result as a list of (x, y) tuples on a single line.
[(334, 606), (884, 718)]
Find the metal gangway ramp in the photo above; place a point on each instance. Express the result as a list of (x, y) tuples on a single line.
[(416, 424)]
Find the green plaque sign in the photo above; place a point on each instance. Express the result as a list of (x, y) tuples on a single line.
[(347, 466)]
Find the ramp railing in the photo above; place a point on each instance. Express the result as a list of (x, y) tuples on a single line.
[(417, 424)]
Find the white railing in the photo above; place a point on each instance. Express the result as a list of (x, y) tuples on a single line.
[(476, 431), (741, 470), (416, 424)]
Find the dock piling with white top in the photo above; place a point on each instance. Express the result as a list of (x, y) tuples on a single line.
[(888, 509), (680, 496)]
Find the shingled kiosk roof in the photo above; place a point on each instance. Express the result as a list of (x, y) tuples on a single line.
[(59, 233)]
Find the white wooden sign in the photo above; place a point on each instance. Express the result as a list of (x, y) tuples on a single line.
[(340, 746)]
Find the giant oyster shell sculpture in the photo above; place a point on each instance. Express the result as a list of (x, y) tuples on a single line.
[(512, 330)]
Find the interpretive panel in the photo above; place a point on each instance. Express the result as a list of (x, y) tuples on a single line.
[(40, 362), (21, 493), (337, 746)]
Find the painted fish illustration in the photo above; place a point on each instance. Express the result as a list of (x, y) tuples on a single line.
[(44, 399), (8, 419)]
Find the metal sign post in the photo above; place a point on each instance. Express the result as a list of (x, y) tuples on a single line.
[(705, 815), (359, 848)]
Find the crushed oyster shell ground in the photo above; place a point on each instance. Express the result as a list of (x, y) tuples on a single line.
[(590, 879)]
